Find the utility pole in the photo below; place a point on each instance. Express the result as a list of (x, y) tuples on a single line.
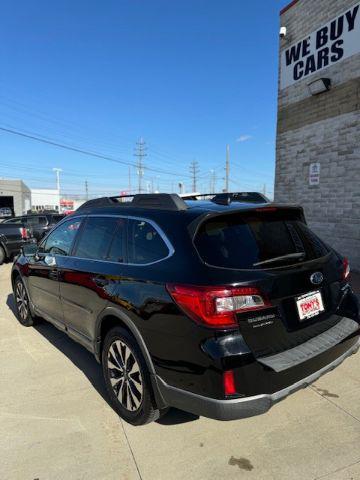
[(140, 154), (57, 172), (129, 180), (264, 189), (87, 189), (227, 168), (194, 171), (212, 181)]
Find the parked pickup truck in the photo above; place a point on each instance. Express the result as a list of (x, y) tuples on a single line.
[(38, 224), (12, 238)]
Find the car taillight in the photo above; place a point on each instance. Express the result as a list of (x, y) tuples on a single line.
[(346, 268), (24, 233), (216, 306), (229, 382), (266, 209)]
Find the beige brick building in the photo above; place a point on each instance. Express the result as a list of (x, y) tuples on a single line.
[(318, 134), (15, 195)]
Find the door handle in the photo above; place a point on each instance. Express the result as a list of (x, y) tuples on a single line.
[(101, 281)]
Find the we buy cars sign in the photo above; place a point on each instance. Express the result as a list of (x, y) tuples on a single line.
[(330, 44)]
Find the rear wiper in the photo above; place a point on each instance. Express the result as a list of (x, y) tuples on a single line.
[(294, 256)]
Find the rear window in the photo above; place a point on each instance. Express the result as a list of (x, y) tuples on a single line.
[(242, 241), (145, 244)]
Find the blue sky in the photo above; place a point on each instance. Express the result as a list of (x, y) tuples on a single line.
[(187, 76)]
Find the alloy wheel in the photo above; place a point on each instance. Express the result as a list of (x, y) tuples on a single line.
[(125, 375), (22, 301)]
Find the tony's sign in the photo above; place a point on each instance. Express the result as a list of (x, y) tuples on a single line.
[(335, 41)]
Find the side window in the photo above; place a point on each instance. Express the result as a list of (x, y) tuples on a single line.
[(145, 245), (14, 220), (60, 241), (34, 221), (117, 248), (102, 239)]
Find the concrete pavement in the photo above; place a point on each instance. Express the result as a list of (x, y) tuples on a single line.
[(55, 422)]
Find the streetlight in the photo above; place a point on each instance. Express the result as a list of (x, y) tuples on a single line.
[(58, 171)]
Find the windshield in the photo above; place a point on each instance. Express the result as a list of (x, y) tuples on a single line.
[(247, 241)]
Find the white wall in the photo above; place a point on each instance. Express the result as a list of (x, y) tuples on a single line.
[(45, 199)]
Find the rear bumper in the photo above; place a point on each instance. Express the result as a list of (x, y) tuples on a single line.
[(233, 409)]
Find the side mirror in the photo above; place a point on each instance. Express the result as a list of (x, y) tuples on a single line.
[(50, 260)]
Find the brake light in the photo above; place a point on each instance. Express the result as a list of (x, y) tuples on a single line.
[(216, 306), (266, 209), (24, 233), (346, 268), (229, 383)]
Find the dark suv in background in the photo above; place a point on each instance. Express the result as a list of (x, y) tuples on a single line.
[(12, 239), (39, 224), (219, 307)]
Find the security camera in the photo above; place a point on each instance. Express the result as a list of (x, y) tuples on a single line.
[(282, 32)]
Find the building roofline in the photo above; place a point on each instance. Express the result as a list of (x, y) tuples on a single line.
[(291, 4)]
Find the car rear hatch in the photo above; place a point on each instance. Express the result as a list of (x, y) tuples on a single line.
[(298, 277)]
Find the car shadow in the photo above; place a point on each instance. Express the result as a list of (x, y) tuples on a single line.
[(176, 417), (85, 361)]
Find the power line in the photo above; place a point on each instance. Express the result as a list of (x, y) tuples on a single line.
[(71, 127), (45, 177), (109, 192), (35, 112), (79, 150), (252, 172)]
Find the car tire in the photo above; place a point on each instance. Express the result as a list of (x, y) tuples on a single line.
[(22, 304), (129, 388), (2, 255)]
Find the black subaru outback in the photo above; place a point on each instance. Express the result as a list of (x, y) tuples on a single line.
[(219, 307)]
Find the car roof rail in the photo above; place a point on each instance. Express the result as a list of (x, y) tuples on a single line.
[(159, 201), (242, 197), (99, 202), (163, 201)]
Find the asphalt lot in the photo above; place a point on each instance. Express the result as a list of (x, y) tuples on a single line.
[(55, 422)]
